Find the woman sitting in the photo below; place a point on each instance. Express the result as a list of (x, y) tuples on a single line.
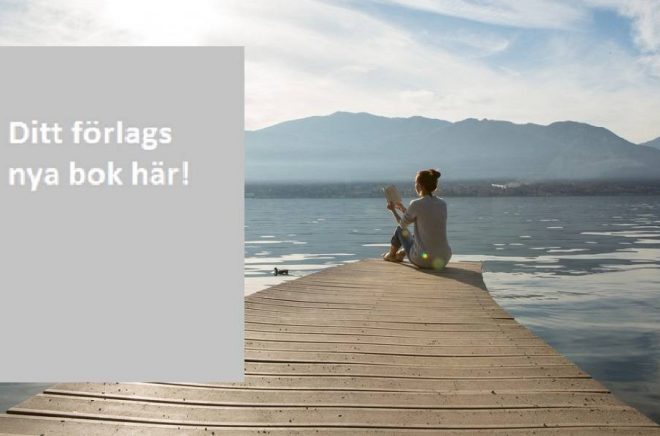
[(428, 248)]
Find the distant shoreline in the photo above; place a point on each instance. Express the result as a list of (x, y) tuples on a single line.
[(468, 188)]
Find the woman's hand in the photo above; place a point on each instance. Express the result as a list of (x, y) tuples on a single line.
[(393, 207)]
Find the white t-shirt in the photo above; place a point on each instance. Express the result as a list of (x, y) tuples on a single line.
[(431, 248)]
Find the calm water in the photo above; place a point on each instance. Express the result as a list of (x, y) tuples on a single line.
[(581, 272)]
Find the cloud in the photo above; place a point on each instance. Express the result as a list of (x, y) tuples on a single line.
[(645, 16), (466, 43), (515, 13), (310, 57), (646, 19)]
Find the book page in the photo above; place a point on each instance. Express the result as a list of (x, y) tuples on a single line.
[(392, 194)]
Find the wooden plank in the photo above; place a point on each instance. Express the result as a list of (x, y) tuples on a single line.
[(18, 424), (435, 317), (404, 350), (161, 413), (390, 359), (384, 315), (477, 310), (555, 371), (433, 331), (389, 288), (381, 322), (365, 348), (432, 298), (307, 302), (365, 293), (454, 339), (403, 301), (445, 386), (173, 393)]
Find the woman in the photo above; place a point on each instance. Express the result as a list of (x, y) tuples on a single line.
[(428, 248)]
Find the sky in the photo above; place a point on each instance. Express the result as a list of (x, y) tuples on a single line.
[(593, 61)]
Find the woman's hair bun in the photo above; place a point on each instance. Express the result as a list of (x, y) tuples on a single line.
[(428, 180)]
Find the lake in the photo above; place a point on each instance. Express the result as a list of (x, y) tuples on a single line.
[(583, 273)]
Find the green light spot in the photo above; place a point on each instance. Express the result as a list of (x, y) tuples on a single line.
[(438, 264)]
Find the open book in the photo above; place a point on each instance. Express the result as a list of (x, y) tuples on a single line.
[(392, 194)]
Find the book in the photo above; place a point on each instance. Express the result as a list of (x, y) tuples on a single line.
[(392, 194)]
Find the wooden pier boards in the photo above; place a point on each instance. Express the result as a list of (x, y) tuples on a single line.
[(365, 348)]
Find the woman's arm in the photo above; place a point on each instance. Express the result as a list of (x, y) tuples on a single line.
[(405, 219), (392, 207)]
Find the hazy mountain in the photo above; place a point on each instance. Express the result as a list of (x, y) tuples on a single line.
[(361, 147), (654, 143)]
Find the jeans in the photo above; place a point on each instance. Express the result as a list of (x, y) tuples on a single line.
[(402, 238)]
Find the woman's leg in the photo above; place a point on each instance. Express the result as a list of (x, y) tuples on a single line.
[(394, 246), (405, 238), (401, 238)]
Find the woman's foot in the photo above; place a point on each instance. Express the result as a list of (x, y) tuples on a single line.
[(401, 255), (392, 258)]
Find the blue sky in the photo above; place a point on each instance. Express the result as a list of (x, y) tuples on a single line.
[(595, 61)]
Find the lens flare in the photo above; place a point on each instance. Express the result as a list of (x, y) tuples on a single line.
[(438, 263)]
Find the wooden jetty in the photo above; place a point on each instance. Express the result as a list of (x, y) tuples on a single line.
[(364, 348)]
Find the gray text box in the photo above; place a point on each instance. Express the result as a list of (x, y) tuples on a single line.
[(123, 282)]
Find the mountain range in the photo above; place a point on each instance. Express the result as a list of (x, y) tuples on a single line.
[(350, 147), (654, 143)]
